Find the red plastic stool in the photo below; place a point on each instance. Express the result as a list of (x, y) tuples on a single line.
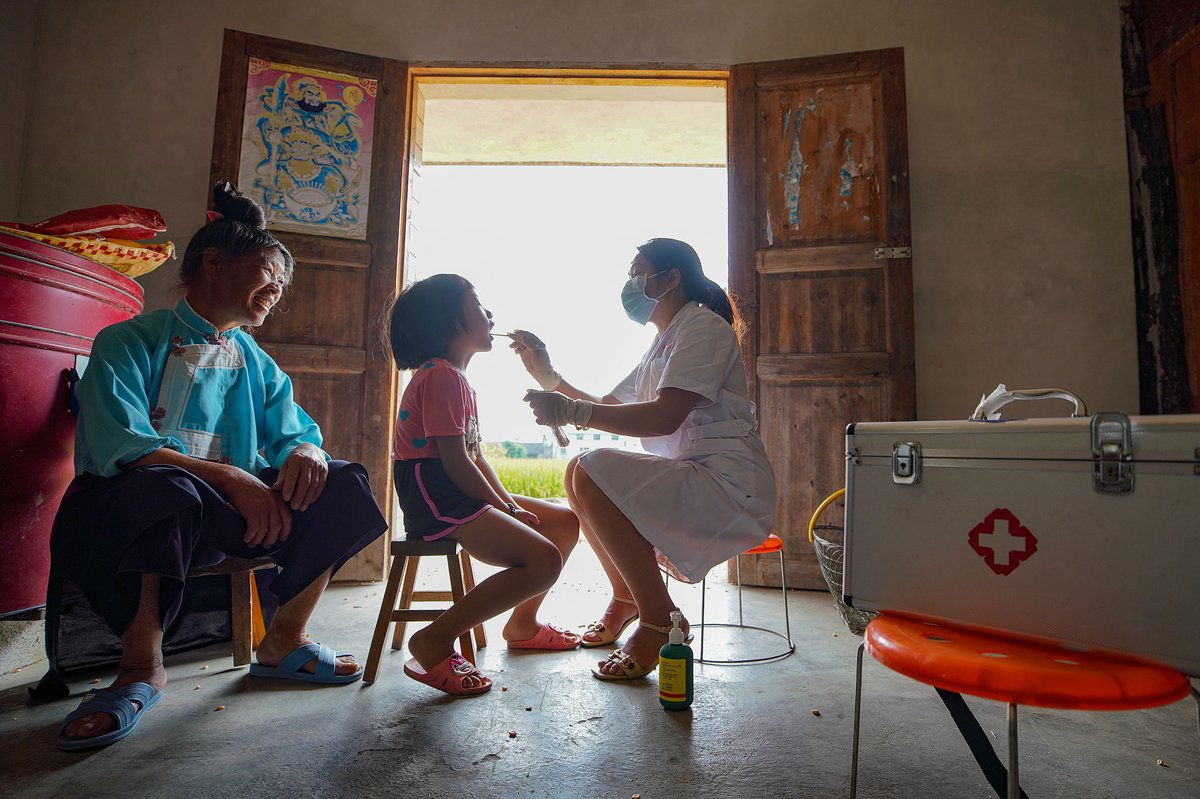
[(1016, 671)]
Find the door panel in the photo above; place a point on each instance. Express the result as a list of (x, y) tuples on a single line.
[(325, 334), (818, 184), (816, 136), (822, 312), (1176, 79)]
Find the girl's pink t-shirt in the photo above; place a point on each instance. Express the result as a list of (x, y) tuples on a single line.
[(438, 401)]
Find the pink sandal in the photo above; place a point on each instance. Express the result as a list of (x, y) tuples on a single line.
[(549, 638), (449, 675)]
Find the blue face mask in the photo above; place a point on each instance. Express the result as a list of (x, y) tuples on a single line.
[(638, 306)]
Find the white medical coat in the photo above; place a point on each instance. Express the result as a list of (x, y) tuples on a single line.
[(706, 492)]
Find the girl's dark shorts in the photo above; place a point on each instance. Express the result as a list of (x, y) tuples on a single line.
[(433, 506)]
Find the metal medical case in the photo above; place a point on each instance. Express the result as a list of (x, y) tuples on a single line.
[(1082, 530)]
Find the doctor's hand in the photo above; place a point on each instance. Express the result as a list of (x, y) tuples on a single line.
[(549, 407), (535, 359)]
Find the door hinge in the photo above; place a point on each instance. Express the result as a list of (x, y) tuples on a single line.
[(1112, 453), (893, 252)]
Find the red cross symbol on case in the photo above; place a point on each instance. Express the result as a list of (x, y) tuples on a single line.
[(1002, 541)]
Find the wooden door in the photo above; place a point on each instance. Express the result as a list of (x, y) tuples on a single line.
[(819, 243), (1175, 85), (326, 337)]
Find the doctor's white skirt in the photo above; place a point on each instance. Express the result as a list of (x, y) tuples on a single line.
[(696, 512)]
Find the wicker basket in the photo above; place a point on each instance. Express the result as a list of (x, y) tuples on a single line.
[(828, 542)]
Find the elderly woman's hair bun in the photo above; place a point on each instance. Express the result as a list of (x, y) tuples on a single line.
[(238, 227), (233, 205)]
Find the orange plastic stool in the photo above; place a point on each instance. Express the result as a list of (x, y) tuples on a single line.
[(1012, 670), (772, 543)]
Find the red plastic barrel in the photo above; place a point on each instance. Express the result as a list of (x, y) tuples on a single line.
[(52, 304)]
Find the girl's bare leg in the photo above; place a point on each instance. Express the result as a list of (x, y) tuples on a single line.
[(561, 526), (531, 565)]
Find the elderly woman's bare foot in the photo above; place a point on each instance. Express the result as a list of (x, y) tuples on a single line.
[(97, 724), (274, 649)]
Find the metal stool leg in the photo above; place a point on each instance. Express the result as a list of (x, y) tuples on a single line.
[(738, 561), (857, 713), (787, 622), (1196, 696), (701, 628), (1014, 781)]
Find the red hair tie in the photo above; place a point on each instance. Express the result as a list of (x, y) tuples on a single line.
[(213, 216)]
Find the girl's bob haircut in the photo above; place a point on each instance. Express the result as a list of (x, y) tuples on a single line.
[(426, 317)]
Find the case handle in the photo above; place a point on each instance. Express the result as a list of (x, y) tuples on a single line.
[(989, 407), (812, 523)]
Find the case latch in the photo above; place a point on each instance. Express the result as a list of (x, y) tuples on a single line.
[(906, 463), (1112, 453)]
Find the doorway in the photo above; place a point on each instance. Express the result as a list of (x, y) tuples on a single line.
[(537, 190)]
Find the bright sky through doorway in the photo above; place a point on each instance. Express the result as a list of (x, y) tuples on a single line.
[(548, 249)]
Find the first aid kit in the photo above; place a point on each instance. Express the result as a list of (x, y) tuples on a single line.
[(1083, 531)]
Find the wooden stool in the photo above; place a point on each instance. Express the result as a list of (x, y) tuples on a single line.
[(1012, 670), (406, 556), (245, 619), (245, 612)]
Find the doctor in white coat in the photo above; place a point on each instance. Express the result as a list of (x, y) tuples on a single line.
[(704, 493)]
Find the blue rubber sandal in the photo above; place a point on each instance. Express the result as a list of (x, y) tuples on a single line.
[(292, 667), (116, 702)]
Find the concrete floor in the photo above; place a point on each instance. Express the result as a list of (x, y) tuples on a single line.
[(751, 732)]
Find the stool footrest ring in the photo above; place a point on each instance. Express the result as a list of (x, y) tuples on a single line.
[(791, 649)]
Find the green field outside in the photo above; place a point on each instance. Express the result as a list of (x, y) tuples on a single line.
[(531, 477)]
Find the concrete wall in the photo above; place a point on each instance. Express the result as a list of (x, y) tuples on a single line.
[(1019, 206), (18, 37)]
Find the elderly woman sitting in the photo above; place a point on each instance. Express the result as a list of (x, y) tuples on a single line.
[(189, 447)]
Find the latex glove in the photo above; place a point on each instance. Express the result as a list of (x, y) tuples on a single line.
[(535, 358), (555, 410), (549, 407)]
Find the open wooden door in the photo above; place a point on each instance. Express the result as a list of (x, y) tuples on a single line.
[(1173, 69), (317, 136), (819, 243)]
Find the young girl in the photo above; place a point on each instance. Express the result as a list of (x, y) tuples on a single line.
[(447, 489)]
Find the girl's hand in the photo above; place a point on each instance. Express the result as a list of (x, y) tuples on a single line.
[(302, 478), (268, 520), (526, 517), (535, 358)]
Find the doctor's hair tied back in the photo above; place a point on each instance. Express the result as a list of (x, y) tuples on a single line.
[(231, 204)]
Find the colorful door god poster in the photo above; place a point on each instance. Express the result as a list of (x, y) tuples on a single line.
[(306, 148)]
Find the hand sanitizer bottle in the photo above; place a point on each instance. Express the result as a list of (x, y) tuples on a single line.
[(675, 669)]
